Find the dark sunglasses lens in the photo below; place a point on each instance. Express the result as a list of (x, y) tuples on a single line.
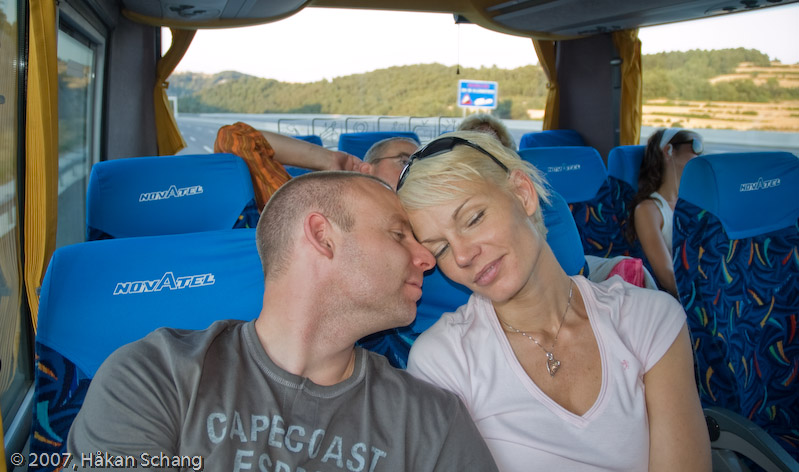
[(437, 146)]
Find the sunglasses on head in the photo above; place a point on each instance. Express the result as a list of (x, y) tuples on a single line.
[(696, 141), (696, 145), (440, 146)]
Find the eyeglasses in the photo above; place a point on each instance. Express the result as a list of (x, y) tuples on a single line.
[(403, 159), (440, 146)]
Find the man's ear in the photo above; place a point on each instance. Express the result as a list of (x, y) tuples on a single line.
[(524, 190), (366, 168), (319, 233)]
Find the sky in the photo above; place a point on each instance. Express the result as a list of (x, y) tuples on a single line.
[(317, 44)]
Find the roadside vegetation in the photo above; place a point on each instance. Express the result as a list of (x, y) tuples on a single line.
[(730, 88)]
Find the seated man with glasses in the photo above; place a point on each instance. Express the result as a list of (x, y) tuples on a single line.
[(386, 158)]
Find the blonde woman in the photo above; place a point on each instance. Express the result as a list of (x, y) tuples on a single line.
[(558, 373)]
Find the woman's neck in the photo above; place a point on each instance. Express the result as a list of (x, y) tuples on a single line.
[(539, 305)]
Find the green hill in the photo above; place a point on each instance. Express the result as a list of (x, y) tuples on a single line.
[(430, 89)]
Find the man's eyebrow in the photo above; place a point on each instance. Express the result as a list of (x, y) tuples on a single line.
[(396, 218)]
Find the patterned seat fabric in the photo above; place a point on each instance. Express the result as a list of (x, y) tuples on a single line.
[(736, 261), (624, 163), (99, 295), (147, 196), (441, 295), (579, 175)]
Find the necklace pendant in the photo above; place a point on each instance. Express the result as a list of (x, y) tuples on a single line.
[(552, 364)]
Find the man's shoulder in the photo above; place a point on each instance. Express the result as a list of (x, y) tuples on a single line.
[(401, 384), (172, 344)]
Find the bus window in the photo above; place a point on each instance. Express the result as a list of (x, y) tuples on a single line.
[(80, 60), (16, 364)]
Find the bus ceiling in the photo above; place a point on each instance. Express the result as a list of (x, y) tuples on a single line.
[(542, 19)]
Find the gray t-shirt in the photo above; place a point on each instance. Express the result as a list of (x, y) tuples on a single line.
[(214, 399)]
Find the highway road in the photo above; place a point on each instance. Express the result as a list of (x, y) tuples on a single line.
[(199, 130)]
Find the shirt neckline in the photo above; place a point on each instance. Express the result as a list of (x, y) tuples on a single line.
[(289, 380), (532, 387)]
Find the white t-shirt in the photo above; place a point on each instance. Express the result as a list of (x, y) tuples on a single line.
[(668, 218), (468, 353)]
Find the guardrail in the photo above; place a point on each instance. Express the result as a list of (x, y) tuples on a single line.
[(330, 128)]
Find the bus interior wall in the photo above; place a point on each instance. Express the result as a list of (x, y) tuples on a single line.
[(134, 50), (585, 83)]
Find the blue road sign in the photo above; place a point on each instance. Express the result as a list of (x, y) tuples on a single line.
[(477, 94)]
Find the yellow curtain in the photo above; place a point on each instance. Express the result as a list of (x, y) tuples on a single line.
[(169, 139), (546, 57), (41, 141), (629, 47)]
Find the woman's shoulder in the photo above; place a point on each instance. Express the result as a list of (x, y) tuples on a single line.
[(461, 319), (454, 327), (624, 299)]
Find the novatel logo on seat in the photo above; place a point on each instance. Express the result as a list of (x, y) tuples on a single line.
[(563, 168), (760, 185), (167, 281), (173, 191)]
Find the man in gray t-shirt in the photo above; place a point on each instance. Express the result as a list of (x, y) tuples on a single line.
[(289, 392)]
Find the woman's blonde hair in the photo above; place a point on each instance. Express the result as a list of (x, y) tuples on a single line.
[(439, 179)]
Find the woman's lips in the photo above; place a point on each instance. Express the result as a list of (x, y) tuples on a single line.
[(488, 273)]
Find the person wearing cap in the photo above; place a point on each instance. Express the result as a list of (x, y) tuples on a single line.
[(667, 152)]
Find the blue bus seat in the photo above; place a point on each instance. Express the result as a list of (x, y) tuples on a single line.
[(358, 143), (579, 175), (99, 295), (311, 138), (563, 237), (297, 171), (147, 196), (441, 295), (736, 262), (624, 164), (551, 138)]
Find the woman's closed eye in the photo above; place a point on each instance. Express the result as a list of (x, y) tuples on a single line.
[(476, 218), (438, 252)]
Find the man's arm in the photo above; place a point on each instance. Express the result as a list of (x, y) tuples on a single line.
[(298, 153), (131, 408)]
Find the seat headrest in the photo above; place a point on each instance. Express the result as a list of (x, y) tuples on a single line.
[(562, 235), (439, 295), (624, 163), (750, 193), (145, 196), (576, 172), (358, 143), (311, 138), (553, 137), (99, 295)]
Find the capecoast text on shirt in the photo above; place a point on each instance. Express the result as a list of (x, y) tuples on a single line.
[(215, 393)]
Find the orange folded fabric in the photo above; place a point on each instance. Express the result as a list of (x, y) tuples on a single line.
[(248, 143)]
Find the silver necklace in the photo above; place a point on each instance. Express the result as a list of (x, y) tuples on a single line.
[(552, 364)]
